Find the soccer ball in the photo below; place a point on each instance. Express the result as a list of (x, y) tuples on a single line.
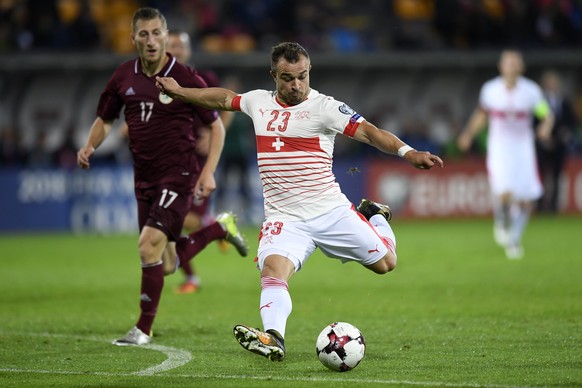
[(340, 346)]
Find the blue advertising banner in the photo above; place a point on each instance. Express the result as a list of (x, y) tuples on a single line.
[(100, 199)]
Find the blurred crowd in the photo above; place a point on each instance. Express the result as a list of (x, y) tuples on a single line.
[(434, 128), (325, 25)]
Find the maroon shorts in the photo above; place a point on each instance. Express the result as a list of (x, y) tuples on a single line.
[(164, 207)]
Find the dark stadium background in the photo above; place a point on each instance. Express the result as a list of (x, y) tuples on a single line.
[(411, 66)]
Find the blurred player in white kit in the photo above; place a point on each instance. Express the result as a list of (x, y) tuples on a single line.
[(507, 105)]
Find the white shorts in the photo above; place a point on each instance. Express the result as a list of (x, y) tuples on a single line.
[(513, 169), (341, 233)]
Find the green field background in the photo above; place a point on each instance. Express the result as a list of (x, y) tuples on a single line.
[(454, 313)]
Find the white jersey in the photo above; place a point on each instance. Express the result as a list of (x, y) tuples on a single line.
[(295, 151), (511, 158)]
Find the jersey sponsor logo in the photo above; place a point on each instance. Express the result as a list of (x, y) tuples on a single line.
[(345, 109), (130, 92), (262, 112), (164, 98)]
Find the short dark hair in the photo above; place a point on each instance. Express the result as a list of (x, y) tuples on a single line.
[(147, 13), (291, 51)]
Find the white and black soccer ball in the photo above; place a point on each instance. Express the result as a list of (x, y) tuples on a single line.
[(340, 346)]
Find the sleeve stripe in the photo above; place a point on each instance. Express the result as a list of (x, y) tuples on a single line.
[(236, 103), (350, 129)]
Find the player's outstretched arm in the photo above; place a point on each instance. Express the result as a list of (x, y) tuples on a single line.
[(210, 98), (389, 143)]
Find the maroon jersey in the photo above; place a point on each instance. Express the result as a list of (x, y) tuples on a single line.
[(160, 129)]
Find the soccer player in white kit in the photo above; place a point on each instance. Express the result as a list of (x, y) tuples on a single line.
[(295, 127), (509, 102)]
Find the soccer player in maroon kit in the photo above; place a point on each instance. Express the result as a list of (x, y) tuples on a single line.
[(166, 172), (200, 214)]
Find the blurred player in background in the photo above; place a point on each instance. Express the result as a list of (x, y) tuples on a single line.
[(295, 128), (166, 172), (507, 104), (552, 154), (200, 214)]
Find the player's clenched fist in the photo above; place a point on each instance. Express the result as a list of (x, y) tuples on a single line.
[(167, 85)]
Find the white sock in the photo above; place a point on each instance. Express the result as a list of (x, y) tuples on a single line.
[(501, 214), (177, 264), (194, 279), (520, 219), (384, 229), (276, 304)]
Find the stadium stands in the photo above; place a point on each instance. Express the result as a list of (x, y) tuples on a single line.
[(47, 106), (39, 101)]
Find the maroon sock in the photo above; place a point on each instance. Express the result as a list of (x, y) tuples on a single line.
[(152, 282), (189, 246), (187, 268)]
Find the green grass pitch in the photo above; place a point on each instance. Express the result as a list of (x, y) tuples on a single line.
[(454, 313)]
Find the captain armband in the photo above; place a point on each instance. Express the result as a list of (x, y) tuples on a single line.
[(542, 109)]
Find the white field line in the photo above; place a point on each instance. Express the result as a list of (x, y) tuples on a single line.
[(175, 357), (275, 378), (179, 357)]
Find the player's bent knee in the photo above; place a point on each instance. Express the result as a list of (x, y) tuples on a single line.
[(169, 268), (391, 260), (152, 243), (384, 265), (169, 260), (278, 266), (145, 250), (148, 252)]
